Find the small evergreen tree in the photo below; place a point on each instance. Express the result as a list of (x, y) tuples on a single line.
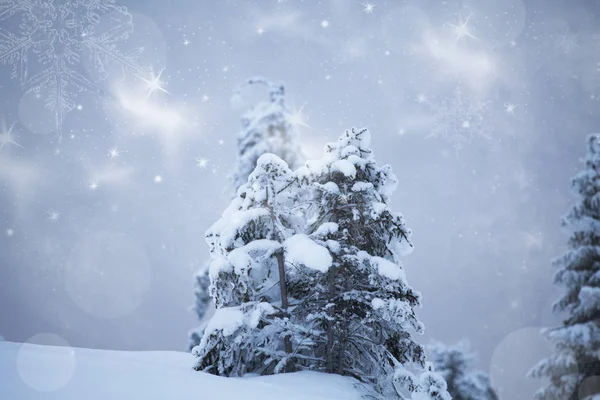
[(577, 340), (266, 128), (456, 365)]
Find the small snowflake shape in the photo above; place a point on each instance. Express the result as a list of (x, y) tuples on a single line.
[(459, 119)]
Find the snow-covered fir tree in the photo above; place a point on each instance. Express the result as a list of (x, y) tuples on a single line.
[(361, 309), (329, 231), (248, 334), (456, 365), (266, 128), (576, 342)]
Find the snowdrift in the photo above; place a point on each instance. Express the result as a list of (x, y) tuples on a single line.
[(30, 371)]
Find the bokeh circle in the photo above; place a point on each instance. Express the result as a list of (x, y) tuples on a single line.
[(512, 359), (46, 362), (107, 274)]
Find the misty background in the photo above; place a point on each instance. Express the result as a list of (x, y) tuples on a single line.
[(481, 107)]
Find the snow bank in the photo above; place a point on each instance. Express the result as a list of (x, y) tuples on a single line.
[(116, 375)]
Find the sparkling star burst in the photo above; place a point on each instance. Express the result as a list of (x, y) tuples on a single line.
[(509, 108), (154, 83), (53, 215), (45, 42), (421, 99), (368, 7), (114, 153), (201, 162), (296, 118), (6, 136), (459, 118), (462, 29)]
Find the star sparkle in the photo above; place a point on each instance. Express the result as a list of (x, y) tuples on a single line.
[(368, 7), (6, 136), (155, 83), (296, 118), (114, 153), (53, 215), (509, 108), (201, 162), (462, 28)]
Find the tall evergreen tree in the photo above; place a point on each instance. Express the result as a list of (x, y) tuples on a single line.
[(456, 365), (266, 128), (577, 340), (350, 306)]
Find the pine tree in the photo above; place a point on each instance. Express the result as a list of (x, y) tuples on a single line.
[(266, 128), (361, 309), (248, 333), (456, 365), (577, 341)]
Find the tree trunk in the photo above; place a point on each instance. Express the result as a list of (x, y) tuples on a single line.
[(287, 343), (330, 323)]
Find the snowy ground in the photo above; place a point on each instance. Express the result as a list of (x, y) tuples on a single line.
[(49, 372)]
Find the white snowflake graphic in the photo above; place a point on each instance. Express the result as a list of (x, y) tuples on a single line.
[(458, 119), (566, 41), (47, 41)]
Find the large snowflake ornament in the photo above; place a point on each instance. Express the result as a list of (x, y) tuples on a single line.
[(459, 119), (47, 42)]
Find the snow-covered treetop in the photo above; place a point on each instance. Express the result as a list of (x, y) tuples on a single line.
[(352, 183), (254, 226), (255, 200), (586, 185), (276, 90), (457, 359), (456, 365), (266, 128)]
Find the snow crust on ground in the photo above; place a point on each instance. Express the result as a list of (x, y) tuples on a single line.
[(27, 370)]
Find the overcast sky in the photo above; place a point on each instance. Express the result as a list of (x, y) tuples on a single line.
[(480, 106)]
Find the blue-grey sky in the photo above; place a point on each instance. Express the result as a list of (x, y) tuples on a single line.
[(480, 106)]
